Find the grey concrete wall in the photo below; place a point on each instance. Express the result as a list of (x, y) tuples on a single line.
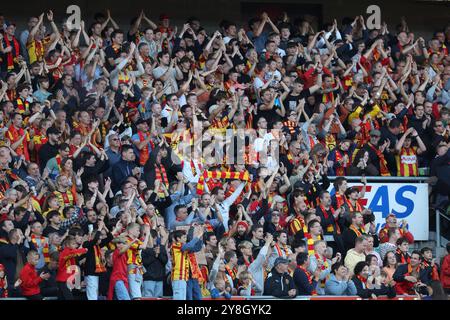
[(423, 17)]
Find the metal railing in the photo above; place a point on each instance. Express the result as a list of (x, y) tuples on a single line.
[(439, 215)]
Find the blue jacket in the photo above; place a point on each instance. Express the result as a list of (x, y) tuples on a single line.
[(334, 287), (120, 172)]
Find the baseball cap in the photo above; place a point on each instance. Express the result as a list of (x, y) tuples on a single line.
[(375, 132), (280, 260)]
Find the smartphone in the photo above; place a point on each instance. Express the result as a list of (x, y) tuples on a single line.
[(91, 228)]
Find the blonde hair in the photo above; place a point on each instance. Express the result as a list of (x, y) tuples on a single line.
[(245, 275)]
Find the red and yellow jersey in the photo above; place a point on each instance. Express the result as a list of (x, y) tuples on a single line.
[(219, 126), (180, 262), (22, 105), (134, 252), (297, 224), (65, 198), (407, 164), (36, 49), (14, 135)]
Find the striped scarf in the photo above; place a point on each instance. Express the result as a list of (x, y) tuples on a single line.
[(43, 244), (384, 171), (310, 243), (323, 268), (308, 275), (244, 176), (404, 258), (358, 232), (161, 175), (231, 272), (280, 250), (99, 265)]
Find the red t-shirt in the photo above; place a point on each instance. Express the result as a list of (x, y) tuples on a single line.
[(119, 271)]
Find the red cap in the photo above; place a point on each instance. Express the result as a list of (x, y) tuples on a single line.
[(163, 17), (2, 268), (391, 215)]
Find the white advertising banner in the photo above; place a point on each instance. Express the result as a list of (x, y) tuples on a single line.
[(407, 201)]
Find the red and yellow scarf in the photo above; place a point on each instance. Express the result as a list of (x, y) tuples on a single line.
[(243, 176), (43, 244)]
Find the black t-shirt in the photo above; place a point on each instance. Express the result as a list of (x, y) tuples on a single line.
[(47, 152), (111, 53), (291, 101), (270, 115)]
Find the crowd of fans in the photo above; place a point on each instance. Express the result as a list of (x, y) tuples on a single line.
[(102, 196)]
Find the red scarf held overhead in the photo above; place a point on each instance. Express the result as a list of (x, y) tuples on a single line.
[(243, 176), (161, 174)]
